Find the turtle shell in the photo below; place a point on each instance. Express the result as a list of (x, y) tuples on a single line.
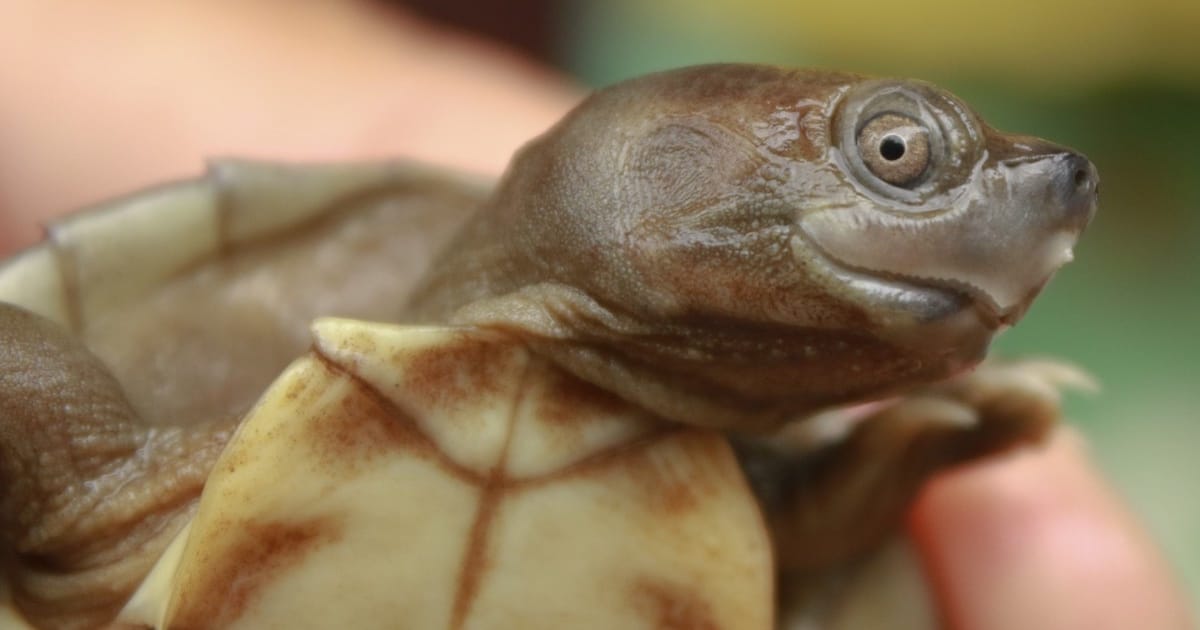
[(446, 478), (168, 285)]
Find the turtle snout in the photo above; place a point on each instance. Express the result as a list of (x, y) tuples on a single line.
[(1078, 187)]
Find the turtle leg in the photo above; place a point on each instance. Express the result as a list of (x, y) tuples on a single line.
[(836, 488), (834, 504), (89, 495)]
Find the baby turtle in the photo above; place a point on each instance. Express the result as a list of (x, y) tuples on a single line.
[(613, 392)]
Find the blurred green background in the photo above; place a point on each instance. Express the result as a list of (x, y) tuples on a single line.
[(1118, 81)]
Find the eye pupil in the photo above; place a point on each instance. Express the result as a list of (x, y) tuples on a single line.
[(892, 148), (895, 149)]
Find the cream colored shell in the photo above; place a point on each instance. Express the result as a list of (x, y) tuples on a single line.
[(446, 478)]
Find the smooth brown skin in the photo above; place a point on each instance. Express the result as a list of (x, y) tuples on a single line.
[(701, 242), (973, 582)]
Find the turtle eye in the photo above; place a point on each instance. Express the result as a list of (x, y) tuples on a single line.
[(895, 148)]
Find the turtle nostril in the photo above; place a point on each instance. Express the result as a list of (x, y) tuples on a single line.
[(1079, 187), (1081, 178)]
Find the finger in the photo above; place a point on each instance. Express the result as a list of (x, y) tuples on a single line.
[(1039, 541), (99, 101)]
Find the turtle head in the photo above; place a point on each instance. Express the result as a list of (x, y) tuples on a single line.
[(736, 245)]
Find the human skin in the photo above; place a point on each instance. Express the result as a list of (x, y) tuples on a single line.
[(101, 99), (1040, 540)]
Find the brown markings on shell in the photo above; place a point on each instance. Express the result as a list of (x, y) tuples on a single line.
[(301, 393), (566, 395), (296, 389), (568, 404), (362, 427), (670, 492), (672, 606), (463, 369), (368, 425), (234, 578), (475, 560), (598, 462)]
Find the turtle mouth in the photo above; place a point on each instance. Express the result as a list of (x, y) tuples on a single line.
[(927, 298)]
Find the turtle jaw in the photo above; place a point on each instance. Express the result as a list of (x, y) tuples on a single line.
[(925, 299), (928, 298)]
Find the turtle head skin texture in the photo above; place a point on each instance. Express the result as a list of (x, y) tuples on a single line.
[(736, 246), (725, 248)]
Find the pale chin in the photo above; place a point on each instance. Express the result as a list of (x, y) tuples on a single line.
[(912, 297), (998, 301)]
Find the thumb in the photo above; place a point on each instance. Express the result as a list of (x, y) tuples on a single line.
[(1039, 541)]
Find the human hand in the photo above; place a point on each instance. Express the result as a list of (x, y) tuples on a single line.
[(101, 99), (1039, 540)]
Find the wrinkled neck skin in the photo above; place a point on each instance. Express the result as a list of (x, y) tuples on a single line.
[(696, 243)]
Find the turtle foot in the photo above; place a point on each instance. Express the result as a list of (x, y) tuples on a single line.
[(837, 487), (89, 495), (841, 501)]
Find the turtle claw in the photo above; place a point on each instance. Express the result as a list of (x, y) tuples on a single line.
[(831, 510), (1045, 378), (838, 503)]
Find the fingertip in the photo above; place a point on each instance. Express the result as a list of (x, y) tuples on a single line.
[(1038, 540)]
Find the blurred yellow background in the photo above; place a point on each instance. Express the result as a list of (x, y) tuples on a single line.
[(1119, 81)]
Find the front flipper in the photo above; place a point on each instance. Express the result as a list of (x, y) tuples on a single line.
[(830, 509), (89, 495)]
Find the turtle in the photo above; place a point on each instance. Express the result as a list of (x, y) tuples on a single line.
[(684, 365)]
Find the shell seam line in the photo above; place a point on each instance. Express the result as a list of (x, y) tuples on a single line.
[(68, 272), (491, 491), (442, 460)]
